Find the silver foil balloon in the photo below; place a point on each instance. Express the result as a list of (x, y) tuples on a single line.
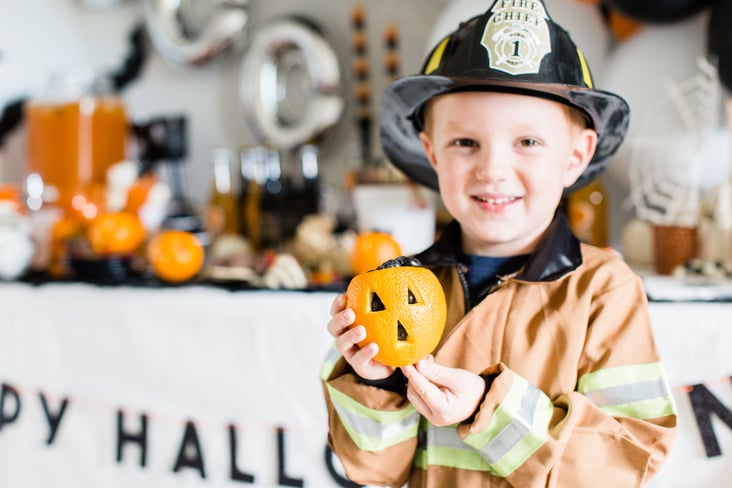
[(193, 32), (101, 4), (290, 83)]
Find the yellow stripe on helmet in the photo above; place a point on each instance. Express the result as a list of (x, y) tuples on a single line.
[(585, 69), (436, 57)]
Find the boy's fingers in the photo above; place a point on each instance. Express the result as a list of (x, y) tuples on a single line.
[(417, 382), (363, 355), (340, 322), (346, 341), (418, 402), (433, 371), (338, 304)]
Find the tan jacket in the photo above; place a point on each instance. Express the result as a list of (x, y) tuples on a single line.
[(580, 397)]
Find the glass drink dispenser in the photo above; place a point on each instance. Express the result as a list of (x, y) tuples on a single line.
[(76, 129)]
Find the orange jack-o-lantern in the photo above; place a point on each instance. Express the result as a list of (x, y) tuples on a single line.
[(403, 310)]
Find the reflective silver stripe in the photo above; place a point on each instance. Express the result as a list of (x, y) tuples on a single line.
[(638, 391), (618, 395), (516, 429), (443, 447), (445, 437), (508, 441), (371, 429)]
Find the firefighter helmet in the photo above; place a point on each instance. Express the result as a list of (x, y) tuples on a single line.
[(513, 47)]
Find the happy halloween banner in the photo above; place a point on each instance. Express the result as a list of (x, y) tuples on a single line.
[(34, 419), (207, 388), (53, 426)]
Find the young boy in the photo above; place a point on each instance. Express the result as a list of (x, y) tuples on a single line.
[(547, 373)]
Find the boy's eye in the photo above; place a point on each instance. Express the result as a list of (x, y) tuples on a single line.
[(465, 143), (528, 142)]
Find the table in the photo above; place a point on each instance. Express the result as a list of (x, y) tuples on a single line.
[(204, 387)]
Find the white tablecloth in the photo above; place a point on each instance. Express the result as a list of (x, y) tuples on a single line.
[(162, 387)]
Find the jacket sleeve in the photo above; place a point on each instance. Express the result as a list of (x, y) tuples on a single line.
[(372, 431), (618, 424)]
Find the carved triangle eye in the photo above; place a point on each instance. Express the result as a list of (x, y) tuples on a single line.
[(401, 332), (411, 299), (376, 304)]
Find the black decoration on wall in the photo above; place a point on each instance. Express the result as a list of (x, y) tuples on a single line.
[(11, 116), (719, 40), (658, 11), (135, 60)]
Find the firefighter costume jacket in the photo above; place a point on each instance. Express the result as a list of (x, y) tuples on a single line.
[(580, 397)]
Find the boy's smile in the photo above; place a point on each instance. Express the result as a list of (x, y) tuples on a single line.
[(496, 203), (503, 161)]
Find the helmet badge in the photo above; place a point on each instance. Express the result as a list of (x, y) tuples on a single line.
[(516, 36)]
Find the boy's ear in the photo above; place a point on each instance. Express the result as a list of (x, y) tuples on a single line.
[(428, 148), (581, 155)]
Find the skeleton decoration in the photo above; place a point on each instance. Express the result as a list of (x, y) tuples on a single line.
[(667, 155)]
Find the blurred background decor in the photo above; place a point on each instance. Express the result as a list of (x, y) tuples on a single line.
[(277, 114), (666, 164), (193, 200), (290, 83), (194, 32)]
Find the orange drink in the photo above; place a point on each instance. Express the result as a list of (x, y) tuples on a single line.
[(71, 144)]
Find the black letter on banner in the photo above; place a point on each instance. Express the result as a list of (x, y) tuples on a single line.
[(192, 459), (282, 478), (705, 404), (4, 391), (53, 420), (236, 475), (124, 437), (345, 483)]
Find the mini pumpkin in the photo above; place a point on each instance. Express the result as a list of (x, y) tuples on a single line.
[(371, 249), (403, 310)]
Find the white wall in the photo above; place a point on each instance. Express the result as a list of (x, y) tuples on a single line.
[(38, 37)]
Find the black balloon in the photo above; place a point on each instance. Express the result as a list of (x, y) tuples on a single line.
[(658, 11), (719, 40)]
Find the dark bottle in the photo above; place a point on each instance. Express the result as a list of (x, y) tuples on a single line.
[(252, 162), (163, 146), (221, 213), (309, 192), (273, 208)]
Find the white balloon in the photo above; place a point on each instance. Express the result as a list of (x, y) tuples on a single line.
[(583, 22)]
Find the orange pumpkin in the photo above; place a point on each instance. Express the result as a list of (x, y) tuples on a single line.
[(371, 249), (116, 233), (175, 255), (403, 310)]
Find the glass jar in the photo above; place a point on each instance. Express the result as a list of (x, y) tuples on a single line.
[(76, 129)]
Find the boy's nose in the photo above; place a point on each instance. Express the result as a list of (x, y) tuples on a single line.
[(491, 166)]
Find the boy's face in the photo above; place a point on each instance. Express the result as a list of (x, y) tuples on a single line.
[(503, 161)]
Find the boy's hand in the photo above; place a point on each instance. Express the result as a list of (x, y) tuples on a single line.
[(443, 395), (346, 341)]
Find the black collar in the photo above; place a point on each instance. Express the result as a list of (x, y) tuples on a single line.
[(557, 253)]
